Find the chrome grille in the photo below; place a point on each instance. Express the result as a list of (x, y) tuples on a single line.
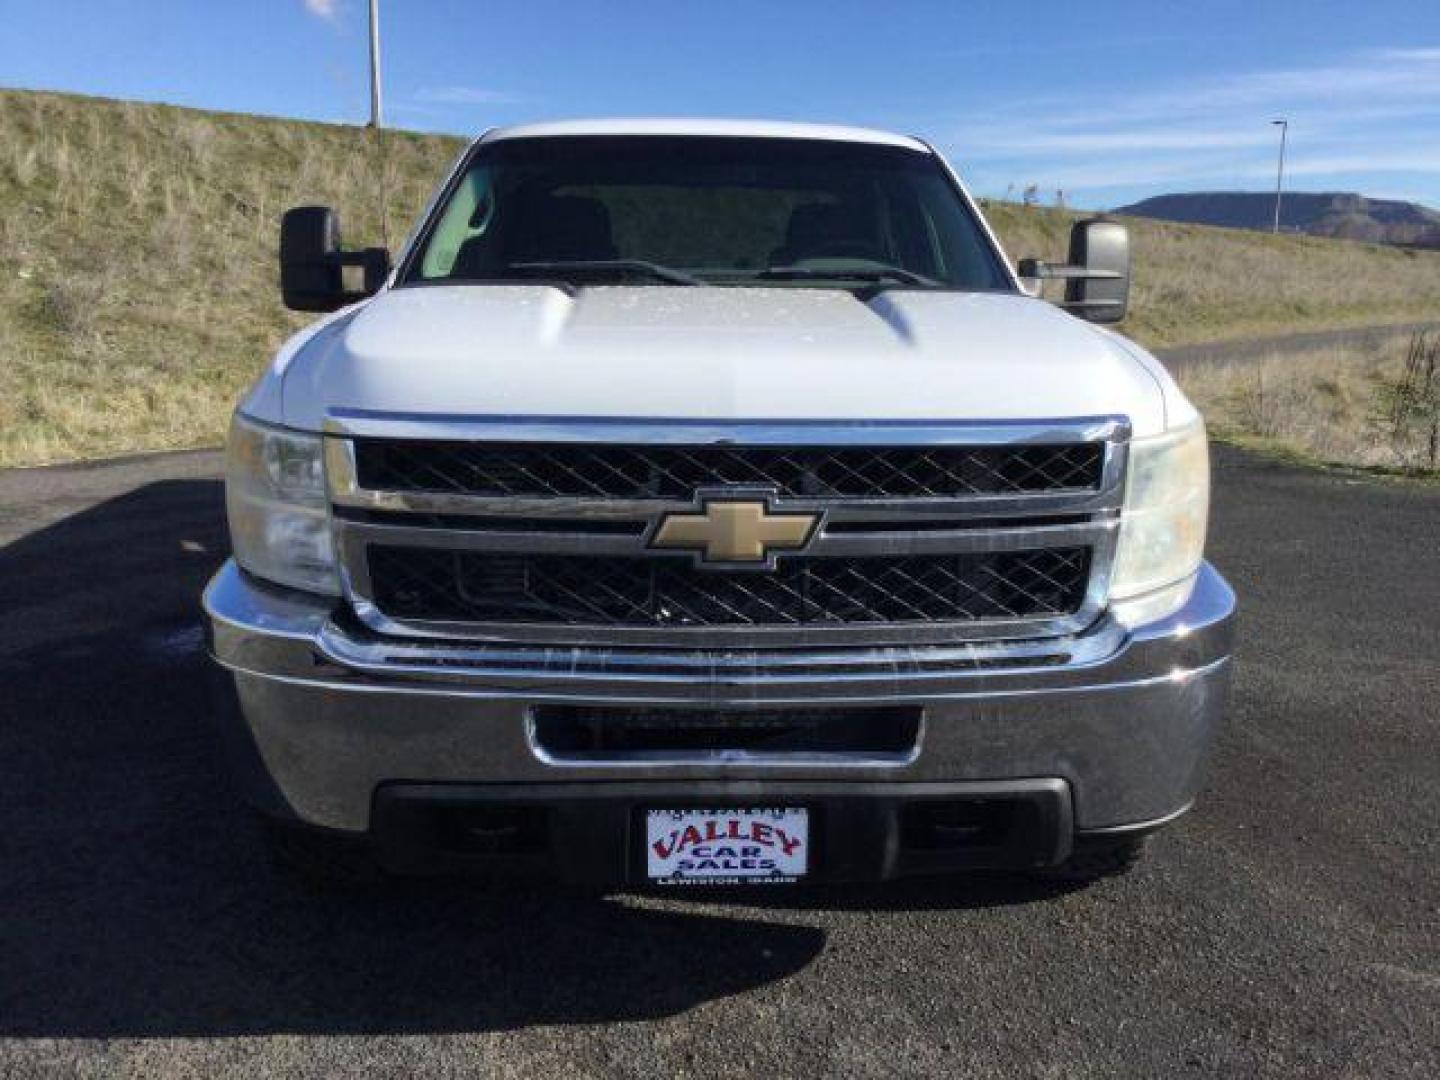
[(571, 470), (437, 585), (539, 530)]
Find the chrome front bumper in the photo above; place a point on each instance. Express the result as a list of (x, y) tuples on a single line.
[(327, 713)]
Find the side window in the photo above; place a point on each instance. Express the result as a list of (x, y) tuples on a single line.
[(959, 248), (913, 243), (927, 242), (469, 215)]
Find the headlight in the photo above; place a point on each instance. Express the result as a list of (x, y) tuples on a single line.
[(278, 509), (1167, 502)]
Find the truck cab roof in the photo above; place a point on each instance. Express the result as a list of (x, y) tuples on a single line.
[(743, 129)]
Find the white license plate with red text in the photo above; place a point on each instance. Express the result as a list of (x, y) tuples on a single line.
[(719, 847)]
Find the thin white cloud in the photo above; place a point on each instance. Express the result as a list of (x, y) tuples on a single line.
[(323, 9), (1431, 55), (1108, 173), (409, 108), (1375, 111), (1408, 78), (1007, 141), (465, 95), (1427, 161)]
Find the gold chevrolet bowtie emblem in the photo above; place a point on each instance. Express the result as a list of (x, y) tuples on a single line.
[(734, 532)]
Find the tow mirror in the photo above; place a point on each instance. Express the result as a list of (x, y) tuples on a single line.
[(1097, 275), (313, 268)]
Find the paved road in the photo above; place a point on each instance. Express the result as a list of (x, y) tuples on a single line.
[(1291, 926), (1178, 357)]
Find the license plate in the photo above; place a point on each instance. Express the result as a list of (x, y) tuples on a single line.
[(719, 847)]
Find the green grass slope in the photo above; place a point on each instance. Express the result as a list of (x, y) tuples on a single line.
[(138, 285)]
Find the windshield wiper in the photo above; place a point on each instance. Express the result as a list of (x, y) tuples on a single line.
[(603, 266), (877, 275)]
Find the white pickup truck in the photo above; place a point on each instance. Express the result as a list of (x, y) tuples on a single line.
[(704, 502)]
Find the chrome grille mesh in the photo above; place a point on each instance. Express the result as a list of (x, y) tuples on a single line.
[(612, 471), (437, 585)]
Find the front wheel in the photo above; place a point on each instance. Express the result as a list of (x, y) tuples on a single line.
[(1094, 858)]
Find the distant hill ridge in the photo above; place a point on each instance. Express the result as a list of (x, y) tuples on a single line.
[(1342, 215)]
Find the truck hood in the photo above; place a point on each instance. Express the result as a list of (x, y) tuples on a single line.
[(711, 353)]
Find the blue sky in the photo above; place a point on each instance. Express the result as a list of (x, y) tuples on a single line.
[(1107, 101)]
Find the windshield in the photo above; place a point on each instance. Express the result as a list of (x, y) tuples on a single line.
[(688, 210)]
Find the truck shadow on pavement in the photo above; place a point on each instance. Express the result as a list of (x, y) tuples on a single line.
[(135, 899)]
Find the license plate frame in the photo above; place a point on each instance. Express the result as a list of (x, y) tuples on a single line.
[(690, 846)]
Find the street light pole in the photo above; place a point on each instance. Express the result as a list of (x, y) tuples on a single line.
[(377, 120), (1284, 126), (375, 115)]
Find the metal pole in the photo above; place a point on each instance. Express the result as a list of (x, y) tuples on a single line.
[(1280, 173), (375, 115)]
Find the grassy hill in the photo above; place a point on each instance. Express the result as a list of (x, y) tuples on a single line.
[(138, 291), (1197, 283)]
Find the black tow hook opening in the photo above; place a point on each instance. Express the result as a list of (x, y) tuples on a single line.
[(948, 825), (488, 830)]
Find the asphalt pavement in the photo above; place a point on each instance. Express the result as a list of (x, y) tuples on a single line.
[(1179, 357), (1289, 927)]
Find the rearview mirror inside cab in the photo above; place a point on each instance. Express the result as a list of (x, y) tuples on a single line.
[(1097, 274), (313, 267)]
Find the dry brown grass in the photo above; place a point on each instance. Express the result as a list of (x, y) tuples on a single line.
[(1318, 404), (1194, 283), (138, 293), (138, 287)]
